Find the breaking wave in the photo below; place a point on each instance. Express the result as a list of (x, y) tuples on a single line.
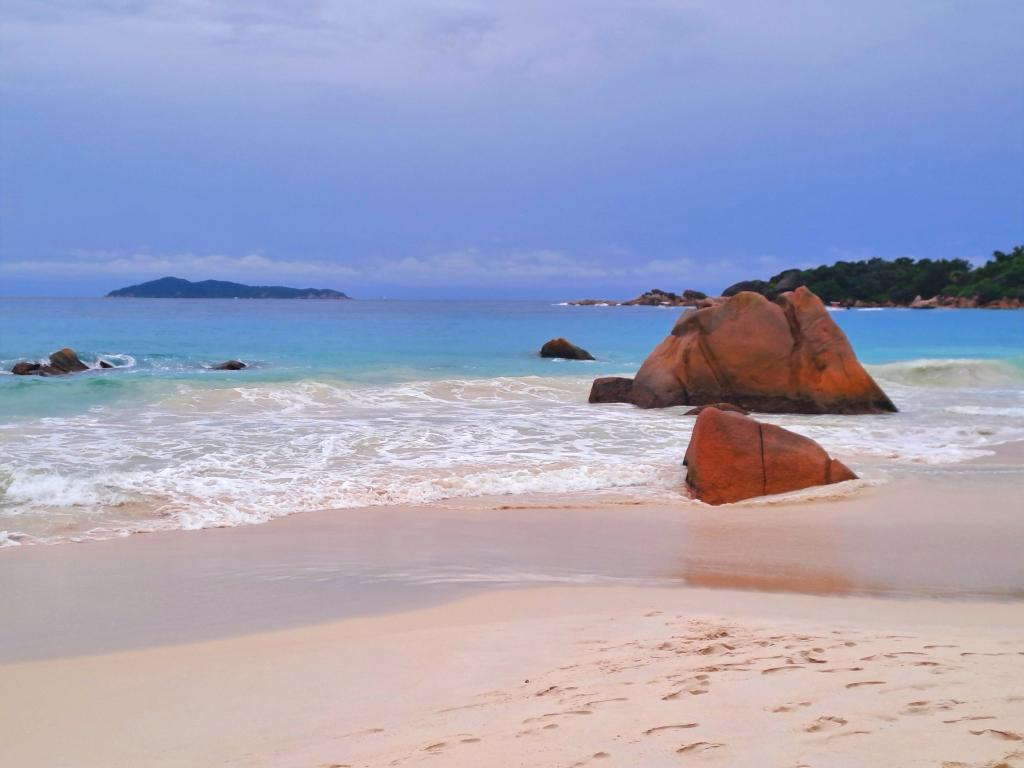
[(200, 454), (953, 373)]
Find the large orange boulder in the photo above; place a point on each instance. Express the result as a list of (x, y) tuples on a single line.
[(733, 457), (782, 356)]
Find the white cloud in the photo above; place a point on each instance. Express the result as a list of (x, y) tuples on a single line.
[(180, 264), (462, 267)]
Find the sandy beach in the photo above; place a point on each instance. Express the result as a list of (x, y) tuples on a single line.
[(877, 626), (552, 677)]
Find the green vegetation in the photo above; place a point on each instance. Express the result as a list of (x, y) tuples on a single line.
[(179, 288), (876, 281)]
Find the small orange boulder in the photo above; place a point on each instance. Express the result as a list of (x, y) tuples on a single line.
[(732, 457)]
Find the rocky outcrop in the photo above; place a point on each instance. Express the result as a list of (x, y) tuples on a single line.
[(659, 298), (652, 298), (732, 457), (565, 350), (62, 362), (230, 365), (786, 356), (105, 364)]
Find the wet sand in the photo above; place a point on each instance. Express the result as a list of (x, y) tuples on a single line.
[(945, 534), (536, 632)]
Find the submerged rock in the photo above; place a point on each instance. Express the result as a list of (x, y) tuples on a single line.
[(62, 362), (230, 365), (26, 369), (565, 350), (786, 356), (720, 406), (105, 364), (733, 457), (611, 389)]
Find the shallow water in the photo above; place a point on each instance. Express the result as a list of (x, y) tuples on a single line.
[(351, 404)]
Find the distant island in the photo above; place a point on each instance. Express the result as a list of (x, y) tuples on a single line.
[(178, 288), (920, 284)]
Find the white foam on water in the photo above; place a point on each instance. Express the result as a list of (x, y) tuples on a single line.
[(201, 456)]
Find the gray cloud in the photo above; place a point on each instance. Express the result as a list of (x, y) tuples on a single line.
[(364, 45)]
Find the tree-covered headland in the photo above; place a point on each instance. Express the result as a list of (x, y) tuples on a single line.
[(876, 282)]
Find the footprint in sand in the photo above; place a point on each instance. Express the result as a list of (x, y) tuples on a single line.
[(787, 668), (549, 715), (715, 649), (790, 706), (697, 746), (865, 682), (660, 728), (1004, 735), (826, 723), (927, 707), (695, 686)]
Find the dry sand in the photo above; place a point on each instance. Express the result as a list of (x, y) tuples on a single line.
[(605, 676)]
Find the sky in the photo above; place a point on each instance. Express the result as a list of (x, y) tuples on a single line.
[(530, 149)]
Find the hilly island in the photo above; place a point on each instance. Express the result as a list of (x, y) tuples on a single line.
[(178, 288)]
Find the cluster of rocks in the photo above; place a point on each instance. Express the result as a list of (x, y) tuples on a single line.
[(786, 282), (652, 298), (62, 362), (960, 302), (65, 361), (742, 353)]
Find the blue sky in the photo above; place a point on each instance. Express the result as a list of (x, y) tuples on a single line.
[(500, 149)]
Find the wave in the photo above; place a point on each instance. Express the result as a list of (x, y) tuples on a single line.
[(953, 373), (214, 452)]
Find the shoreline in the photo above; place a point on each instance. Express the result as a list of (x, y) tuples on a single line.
[(185, 586), (537, 631)]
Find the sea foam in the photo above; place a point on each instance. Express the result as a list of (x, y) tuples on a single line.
[(203, 455)]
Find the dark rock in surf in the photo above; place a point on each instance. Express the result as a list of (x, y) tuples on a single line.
[(565, 350), (26, 369), (66, 361), (105, 364), (62, 362), (611, 389), (230, 365)]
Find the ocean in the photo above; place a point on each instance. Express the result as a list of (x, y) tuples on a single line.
[(362, 403)]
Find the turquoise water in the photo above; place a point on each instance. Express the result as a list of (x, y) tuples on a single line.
[(381, 341), (370, 402)]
